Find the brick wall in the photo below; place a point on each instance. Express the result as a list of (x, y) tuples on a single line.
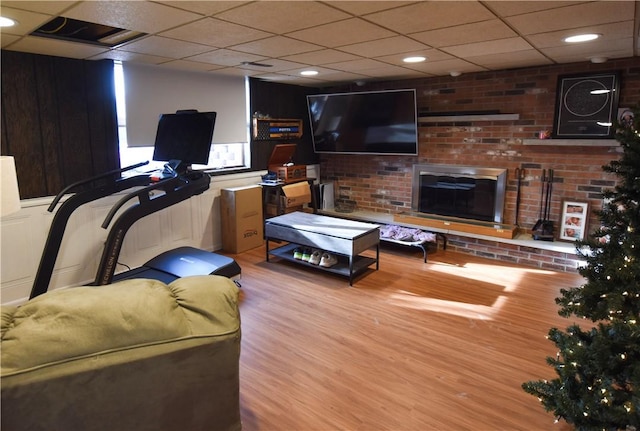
[(383, 183)]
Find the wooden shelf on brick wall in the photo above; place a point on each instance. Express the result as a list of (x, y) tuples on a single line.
[(572, 142), (467, 118), (453, 224)]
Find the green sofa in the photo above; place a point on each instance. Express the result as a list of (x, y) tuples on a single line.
[(134, 355)]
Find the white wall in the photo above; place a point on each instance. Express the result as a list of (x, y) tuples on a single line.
[(195, 223)]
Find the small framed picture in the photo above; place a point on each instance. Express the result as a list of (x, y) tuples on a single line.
[(625, 117), (573, 222)]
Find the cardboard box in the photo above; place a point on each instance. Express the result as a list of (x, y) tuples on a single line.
[(296, 194), (272, 210), (241, 218)]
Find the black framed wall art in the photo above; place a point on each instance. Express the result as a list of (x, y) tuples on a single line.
[(586, 105)]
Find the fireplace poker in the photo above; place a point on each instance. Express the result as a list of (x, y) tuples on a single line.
[(549, 188), (543, 179), (520, 176)]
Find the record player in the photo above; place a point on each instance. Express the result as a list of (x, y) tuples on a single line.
[(281, 164)]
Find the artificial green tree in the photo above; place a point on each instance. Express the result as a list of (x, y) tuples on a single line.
[(598, 362)]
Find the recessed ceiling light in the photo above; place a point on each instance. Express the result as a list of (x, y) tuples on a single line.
[(416, 59), (598, 60), (7, 22), (309, 72), (455, 73), (581, 38)]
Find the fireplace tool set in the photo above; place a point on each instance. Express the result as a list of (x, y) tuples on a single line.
[(543, 229)]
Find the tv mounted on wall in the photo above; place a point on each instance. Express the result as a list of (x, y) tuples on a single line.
[(372, 122), (184, 138)]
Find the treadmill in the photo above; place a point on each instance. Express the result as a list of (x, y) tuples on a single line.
[(172, 264), (185, 136)]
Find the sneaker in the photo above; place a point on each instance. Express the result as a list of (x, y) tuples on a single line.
[(328, 260), (297, 253), (306, 255), (315, 257)]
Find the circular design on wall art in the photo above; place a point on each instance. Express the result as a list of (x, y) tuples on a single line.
[(581, 101)]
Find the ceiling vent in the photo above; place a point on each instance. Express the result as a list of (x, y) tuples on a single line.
[(86, 32)]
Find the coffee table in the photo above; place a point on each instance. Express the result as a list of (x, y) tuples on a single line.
[(346, 239)]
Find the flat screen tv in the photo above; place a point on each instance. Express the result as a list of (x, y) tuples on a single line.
[(372, 122), (184, 138)]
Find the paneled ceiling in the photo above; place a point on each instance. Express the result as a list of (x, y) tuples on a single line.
[(344, 41)]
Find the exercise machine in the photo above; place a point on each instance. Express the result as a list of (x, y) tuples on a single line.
[(182, 139)]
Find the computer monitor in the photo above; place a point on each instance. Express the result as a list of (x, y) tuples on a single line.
[(184, 138)]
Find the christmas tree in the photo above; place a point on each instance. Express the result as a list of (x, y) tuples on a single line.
[(598, 363)]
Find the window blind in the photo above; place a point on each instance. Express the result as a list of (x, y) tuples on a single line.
[(152, 90)]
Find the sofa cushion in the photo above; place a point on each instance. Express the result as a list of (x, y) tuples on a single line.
[(71, 323)]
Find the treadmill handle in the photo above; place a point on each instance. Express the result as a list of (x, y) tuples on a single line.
[(138, 193), (88, 180)]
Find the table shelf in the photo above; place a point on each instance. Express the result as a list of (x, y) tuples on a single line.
[(360, 263)]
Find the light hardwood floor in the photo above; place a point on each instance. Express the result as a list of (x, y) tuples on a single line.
[(443, 345)]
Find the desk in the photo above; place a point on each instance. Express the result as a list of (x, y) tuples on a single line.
[(271, 189)]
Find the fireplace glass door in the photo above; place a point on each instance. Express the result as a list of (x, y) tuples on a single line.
[(462, 197)]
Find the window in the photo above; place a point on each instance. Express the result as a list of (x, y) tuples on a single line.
[(223, 156)]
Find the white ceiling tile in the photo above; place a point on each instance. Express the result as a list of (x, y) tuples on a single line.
[(444, 67), (289, 79), (164, 46), (609, 32), (519, 7), (116, 54), (8, 39), (431, 54), (59, 48), (282, 17), (513, 60), (360, 8), (323, 56), (193, 66), (53, 8), (575, 16), (226, 57), (394, 72), (214, 32), (234, 71), (276, 65), (342, 33), (358, 65), (206, 8), (501, 46), (386, 46), (26, 21), (143, 16), (429, 15), (466, 33), (579, 52), (276, 46)]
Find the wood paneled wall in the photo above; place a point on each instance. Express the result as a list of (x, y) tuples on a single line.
[(281, 101), (58, 120)]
